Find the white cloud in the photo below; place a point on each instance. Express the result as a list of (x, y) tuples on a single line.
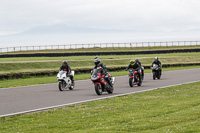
[(138, 15)]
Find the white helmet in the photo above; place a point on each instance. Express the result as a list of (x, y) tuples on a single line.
[(156, 58)]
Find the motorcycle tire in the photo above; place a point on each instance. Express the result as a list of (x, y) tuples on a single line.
[(131, 82), (98, 89), (72, 86), (154, 75), (60, 86), (159, 76), (110, 91)]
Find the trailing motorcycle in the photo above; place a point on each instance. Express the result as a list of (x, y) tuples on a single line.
[(134, 77), (156, 72), (101, 82), (64, 80)]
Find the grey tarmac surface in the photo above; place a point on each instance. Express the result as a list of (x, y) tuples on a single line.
[(31, 98)]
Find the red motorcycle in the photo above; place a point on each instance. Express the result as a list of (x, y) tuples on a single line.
[(134, 77), (101, 82)]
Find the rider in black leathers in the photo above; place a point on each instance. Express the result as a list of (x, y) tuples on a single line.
[(65, 67), (142, 68), (135, 66), (157, 62), (98, 63)]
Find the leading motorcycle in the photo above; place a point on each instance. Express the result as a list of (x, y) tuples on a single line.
[(64, 80), (102, 83)]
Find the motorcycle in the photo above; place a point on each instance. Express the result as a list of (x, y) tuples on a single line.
[(101, 82), (64, 80), (156, 72), (134, 77)]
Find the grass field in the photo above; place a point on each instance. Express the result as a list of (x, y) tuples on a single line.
[(168, 110), (52, 79), (76, 62), (40, 59), (109, 49)]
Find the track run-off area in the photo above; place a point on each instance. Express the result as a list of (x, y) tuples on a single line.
[(19, 100)]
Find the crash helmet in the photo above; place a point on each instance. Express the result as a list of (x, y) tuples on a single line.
[(97, 61), (64, 63), (156, 58), (136, 60), (132, 62)]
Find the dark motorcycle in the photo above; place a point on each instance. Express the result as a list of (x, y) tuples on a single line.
[(156, 70), (134, 77), (101, 82)]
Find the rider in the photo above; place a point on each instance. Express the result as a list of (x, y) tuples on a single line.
[(135, 66), (157, 62), (65, 67), (98, 63), (142, 68)]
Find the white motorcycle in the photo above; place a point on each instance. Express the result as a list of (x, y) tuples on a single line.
[(64, 80)]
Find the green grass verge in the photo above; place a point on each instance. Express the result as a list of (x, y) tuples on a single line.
[(52, 79), (171, 109)]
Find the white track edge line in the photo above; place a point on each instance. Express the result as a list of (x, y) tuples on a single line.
[(62, 105)]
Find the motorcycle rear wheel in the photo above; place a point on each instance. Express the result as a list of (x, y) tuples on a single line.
[(110, 91), (98, 89), (72, 87), (159, 75)]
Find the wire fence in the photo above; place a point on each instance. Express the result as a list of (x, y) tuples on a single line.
[(99, 45)]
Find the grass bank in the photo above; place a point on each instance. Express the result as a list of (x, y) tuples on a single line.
[(109, 49), (26, 81), (172, 109), (43, 64), (46, 59)]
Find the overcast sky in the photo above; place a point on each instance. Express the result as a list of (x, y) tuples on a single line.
[(167, 16)]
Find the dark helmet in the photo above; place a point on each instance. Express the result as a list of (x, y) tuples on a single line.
[(64, 63), (136, 60), (97, 61)]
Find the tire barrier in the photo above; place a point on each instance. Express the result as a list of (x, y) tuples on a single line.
[(99, 53), (85, 70)]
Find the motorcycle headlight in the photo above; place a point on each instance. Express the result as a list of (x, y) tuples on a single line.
[(95, 77)]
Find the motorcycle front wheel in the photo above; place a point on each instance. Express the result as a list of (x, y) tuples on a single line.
[(131, 82), (98, 89), (154, 75), (61, 86)]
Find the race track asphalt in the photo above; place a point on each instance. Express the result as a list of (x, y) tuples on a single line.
[(39, 97)]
